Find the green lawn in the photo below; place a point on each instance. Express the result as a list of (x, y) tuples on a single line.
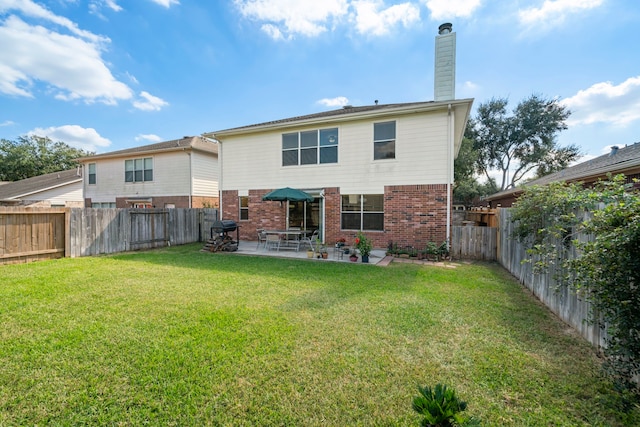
[(180, 337)]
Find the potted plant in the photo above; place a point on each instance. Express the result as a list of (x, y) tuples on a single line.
[(440, 407), (363, 245), (353, 257)]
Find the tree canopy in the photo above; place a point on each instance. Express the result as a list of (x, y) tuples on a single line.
[(35, 155), (519, 143)]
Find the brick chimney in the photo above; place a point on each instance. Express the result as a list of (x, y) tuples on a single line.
[(445, 64)]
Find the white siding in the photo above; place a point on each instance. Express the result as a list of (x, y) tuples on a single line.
[(60, 195), (170, 178), (255, 161), (205, 173)]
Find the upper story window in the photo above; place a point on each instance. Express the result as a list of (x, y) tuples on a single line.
[(91, 176), (311, 147), (384, 140), (138, 170)]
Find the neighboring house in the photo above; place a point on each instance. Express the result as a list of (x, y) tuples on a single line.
[(384, 169), (181, 173), (625, 160), (57, 189)]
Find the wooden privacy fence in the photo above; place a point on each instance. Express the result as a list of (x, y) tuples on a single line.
[(470, 242), (33, 234), (565, 303)]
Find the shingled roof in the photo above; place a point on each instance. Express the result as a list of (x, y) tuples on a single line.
[(346, 112), (619, 160), (188, 142), (36, 184)]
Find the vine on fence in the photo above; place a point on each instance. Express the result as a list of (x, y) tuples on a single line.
[(606, 268)]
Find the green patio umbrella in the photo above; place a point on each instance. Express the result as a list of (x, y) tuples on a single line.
[(288, 194)]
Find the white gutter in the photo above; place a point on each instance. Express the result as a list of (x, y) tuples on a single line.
[(219, 180), (190, 180), (450, 123)]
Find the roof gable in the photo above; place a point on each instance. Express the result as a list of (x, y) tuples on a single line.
[(187, 143), (36, 184)]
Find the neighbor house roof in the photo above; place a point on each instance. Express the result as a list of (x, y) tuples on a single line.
[(624, 160), (197, 143), (345, 113), (25, 187)]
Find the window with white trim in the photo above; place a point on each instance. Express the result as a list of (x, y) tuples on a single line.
[(244, 208), (362, 212), (312, 147), (384, 140), (91, 173), (138, 170)]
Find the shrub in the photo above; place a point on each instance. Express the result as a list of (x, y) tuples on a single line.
[(441, 407)]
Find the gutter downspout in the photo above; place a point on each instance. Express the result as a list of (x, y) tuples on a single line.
[(219, 179), (190, 179), (450, 119)]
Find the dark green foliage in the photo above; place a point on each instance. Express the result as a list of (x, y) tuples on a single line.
[(440, 407), (521, 142), (607, 267), (34, 155)]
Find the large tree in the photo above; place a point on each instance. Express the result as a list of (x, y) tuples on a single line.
[(466, 189), (35, 155), (522, 142)]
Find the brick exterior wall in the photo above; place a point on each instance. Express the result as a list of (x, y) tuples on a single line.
[(414, 215)]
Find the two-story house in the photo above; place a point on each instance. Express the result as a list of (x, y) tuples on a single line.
[(386, 170), (181, 173)]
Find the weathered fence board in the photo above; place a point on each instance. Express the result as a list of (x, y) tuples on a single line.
[(565, 303), (469, 242), (29, 234)]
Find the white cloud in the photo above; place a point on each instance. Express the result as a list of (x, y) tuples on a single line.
[(148, 137), (554, 12), (370, 19), (149, 102), (338, 101), (7, 123), (166, 3), (605, 103), (95, 6), (272, 31), (75, 136), (34, 10), (69, 64), (293, 17), (445, 9)]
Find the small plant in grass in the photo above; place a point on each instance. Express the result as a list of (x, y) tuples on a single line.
[(440, 407)]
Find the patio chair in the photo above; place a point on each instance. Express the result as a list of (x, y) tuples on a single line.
[(272, 241), (310, 239), (262, 237)]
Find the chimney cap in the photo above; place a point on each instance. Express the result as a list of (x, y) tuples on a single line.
[(445, 28)]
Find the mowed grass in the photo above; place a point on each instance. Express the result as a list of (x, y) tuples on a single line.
[(180, 337)]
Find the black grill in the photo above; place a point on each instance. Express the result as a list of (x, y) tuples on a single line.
[(223, 226), (220, 238)]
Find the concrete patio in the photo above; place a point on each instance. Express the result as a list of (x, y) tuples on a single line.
[(245, 247)]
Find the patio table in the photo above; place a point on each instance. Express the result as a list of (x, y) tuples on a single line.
[(289, 239)]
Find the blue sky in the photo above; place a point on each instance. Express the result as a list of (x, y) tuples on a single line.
[(104, 75)]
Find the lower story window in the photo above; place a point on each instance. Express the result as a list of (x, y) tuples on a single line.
[(244, 208), (362, 212), (103, 204)]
